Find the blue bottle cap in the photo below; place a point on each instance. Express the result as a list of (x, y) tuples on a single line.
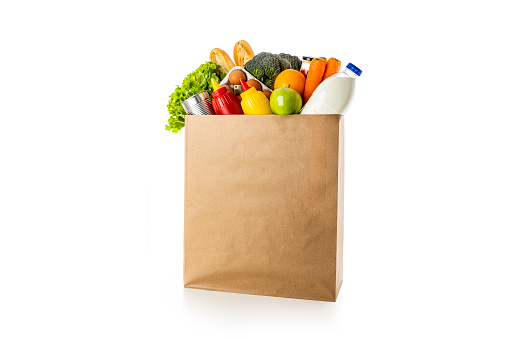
[(354, 69)]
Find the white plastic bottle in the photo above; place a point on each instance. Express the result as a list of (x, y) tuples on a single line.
[(334, 94)]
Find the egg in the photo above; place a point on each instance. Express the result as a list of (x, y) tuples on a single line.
[(267, 94), (228, 88), (254, 83), (235, 77), (239, 97)]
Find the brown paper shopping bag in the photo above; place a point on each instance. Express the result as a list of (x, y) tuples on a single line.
[(263, 207)]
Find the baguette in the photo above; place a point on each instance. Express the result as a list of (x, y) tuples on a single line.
[(242, 53), (220, 57)]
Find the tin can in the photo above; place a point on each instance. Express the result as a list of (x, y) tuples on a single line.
[(198, 104)]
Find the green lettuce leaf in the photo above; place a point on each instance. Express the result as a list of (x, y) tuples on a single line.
[(194, 83)]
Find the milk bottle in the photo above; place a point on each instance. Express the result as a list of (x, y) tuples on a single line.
[(334, 94)]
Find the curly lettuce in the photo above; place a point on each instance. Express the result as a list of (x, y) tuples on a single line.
[(194, 83)]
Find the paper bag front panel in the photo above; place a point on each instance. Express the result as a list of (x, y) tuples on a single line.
[(261, 205)]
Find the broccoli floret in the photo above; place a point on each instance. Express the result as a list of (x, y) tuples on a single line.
[(266, 66), (269, 83), (294, 60), (271, 66), (261, 55), (255, 68), (284, 63), (296, 63), (287, 57)]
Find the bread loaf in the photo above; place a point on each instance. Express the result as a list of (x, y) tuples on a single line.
[(220, 57), (242, 53)]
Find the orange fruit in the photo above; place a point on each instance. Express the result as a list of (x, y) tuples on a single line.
[(291, 78)]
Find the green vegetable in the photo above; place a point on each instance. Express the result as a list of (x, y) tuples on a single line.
[(266, 66), (296, 63), (294, 60), (283, 63), (194, 83), (269, 83), (271, 66), (255, 68)]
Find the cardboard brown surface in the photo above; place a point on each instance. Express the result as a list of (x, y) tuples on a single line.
[(263, 207)]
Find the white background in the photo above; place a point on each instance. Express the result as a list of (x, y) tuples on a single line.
[(91, 185)]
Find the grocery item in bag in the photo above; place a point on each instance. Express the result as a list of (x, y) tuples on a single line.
[(314, 77), (306, 61), (198, 104), (334, 94), (242, 53), (224, 102), (254, 102), (237, 89), (333, 66), (220, 57)]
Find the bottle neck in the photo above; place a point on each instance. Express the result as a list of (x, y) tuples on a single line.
[(218, 92), (347, 74), (248, 93)]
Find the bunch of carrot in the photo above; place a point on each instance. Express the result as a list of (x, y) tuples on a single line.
[(319, 70)]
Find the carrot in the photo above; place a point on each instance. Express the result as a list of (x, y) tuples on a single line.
[(315, 74), (332, 67)]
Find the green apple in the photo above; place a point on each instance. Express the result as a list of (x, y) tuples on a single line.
[(284, 101)]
